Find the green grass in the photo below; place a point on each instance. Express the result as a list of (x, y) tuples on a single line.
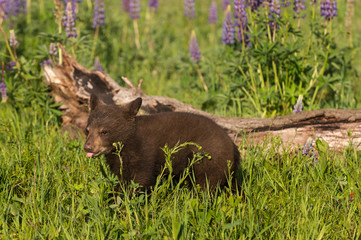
[(50, 190), (315, 60)]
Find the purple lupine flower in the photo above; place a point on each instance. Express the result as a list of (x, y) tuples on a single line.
[(12, 39), (134, 9), (126, 5), (153, 4), (212, 19), (298, 106), (194, 49), (73, 7), (309, 151), (255, 4), (2, 85), (275, 11), (189, 8), (307, 148), (225, 4), (69, 19), (285, 3), (97, 65), (47, 62), (228, 28), (328, 9), (298, 6), (14, 7), (10, 66), (52, 49), (98, 17), (240, 19)]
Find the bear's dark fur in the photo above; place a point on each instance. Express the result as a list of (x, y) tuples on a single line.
[(144, 136)]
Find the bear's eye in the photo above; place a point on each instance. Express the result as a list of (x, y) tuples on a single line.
[(104, 132), (86, 131)]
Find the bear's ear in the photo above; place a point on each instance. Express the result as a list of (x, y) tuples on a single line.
[(95, 102), (133, 107)]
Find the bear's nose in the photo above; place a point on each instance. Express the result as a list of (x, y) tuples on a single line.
[(88, 147)]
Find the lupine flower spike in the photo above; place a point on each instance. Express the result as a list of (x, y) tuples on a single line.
[(309, 151), (13, 42), (189, 12), (298, 6), (69, 20), (10, 66), (287, 3), (196, 57), (212, 19), (228, 28), (98, 21), (189, 8), (126, 5), (225, 4), (194, 49), (154, 4), (11, 9), (52, 49), (275, 12), (12, 39), (328, 9), (134, 9), (255, 4), (46, 62), (98, 17), (298, 106), (2, 84), (240, 20)]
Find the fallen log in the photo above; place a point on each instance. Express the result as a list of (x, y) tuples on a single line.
[(71, 84)]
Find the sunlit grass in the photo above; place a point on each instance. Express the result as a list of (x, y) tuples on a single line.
[(49, 189)]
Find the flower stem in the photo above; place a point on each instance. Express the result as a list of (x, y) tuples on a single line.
[(72, 47), (96, 34), (28, 14), (327, 50), (136, 33), (9, 48), (310, 38), (41, 7), (89, 3), (202, 80), (149, 17)]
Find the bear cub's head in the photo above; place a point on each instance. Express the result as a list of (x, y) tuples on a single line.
[(108, 124)]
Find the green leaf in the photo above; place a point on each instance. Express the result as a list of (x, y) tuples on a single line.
[(322, 146)]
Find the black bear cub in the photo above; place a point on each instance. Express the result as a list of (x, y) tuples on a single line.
[(144, 136)]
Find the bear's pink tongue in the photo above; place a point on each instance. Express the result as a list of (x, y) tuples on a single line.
[(89, 154)]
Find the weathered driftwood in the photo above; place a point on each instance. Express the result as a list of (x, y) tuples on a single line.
[(72, 84)]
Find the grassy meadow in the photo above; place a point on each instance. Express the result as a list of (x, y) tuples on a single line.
[(50, 190)]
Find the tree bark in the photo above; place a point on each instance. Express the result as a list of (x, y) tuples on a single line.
[(71, 84)]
